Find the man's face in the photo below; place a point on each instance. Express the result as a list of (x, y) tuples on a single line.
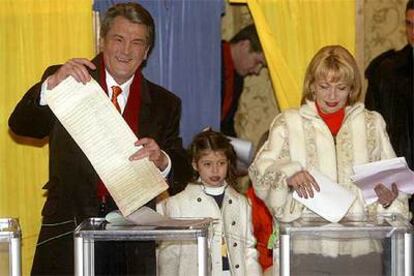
[(409, 26), (124, 48), (248, 62)]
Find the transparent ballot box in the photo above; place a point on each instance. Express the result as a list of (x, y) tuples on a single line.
[(97, 229), (372, 246), (10, 254)]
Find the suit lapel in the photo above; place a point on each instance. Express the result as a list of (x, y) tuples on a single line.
[(146, 124)]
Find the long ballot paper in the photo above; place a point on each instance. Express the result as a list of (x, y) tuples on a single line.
[(100, 131)]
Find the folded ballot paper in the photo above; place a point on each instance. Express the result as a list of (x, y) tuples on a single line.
[(332, 202), (389, 171)]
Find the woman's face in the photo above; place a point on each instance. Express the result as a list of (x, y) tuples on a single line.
[(212, 167), (331, 95)]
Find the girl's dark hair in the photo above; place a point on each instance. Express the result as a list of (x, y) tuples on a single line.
[(214, 141)]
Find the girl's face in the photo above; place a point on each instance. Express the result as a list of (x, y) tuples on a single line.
[(212, 167)]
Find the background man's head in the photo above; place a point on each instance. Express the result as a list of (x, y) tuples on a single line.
[(409, 22), (247, 52), (127, 36)]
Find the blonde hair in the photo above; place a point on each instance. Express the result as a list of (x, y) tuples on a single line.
[(333, 61)]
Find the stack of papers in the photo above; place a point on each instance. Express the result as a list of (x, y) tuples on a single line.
[(332, 202), (387, 172)]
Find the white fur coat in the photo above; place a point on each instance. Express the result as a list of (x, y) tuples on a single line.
[(300, 139)]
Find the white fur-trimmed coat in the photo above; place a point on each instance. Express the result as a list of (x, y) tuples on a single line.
[(300, 139), (233, 221)]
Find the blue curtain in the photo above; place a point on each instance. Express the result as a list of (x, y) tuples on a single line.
[(186, 56)]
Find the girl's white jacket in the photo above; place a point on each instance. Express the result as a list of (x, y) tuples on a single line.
[(233, 222)]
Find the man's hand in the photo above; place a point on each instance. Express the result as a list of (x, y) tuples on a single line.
[(303, 183), (151, 150), (385, 195), (76, 67)]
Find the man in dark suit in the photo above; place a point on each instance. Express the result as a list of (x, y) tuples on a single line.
[(391, 92), (242, 56), (74, 190)]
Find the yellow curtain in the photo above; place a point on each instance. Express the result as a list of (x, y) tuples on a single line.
[(33, 35), (292, 31)]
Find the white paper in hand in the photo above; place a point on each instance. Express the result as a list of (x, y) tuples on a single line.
[(389, 171), (106, 139), (332, 202)]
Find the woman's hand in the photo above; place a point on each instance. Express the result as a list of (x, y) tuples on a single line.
[(303, 183), (385, 195)]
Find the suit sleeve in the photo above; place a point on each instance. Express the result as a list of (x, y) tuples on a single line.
[(373, 73), (371, 101), (29, 118), (180, 167)]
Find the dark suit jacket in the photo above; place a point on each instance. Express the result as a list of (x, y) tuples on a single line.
[(391, 93), (71, 190)]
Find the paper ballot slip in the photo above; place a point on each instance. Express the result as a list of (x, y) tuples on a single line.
[(332, 202), (100, 131), (389, 171)]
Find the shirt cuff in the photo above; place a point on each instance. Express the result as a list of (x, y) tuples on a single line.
[(42, 100), (167, 170)]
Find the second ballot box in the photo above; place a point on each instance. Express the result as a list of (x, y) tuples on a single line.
[(10, 247), (388, 239)]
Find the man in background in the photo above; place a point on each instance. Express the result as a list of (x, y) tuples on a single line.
[(74, 190), (391, 93), (242, 56)]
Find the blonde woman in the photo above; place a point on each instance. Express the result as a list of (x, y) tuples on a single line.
[(331, 132)]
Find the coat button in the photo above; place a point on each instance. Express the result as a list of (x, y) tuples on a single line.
[(233, 223), (230, 201), (199, 199), (235, 244), (236, 266)]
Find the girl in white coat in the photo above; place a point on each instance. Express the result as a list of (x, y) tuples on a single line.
[(232, 244)]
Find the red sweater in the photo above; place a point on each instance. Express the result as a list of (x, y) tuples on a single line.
[(332, 120), (262, 228)]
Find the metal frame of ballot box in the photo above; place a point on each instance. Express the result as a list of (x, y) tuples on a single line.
[(394, 227), (10, 232), (95, 229)]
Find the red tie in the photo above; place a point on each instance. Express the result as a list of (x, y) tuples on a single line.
[(116, 90)]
